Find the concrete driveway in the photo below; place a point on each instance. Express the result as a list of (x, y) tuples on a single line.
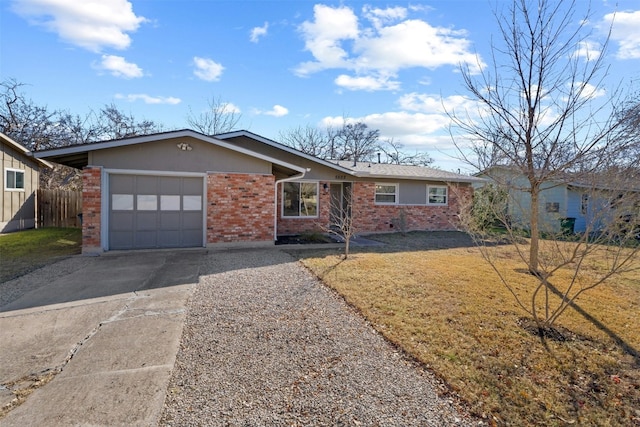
[(92, 340)]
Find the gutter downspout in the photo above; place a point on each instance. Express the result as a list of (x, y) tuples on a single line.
[(275, 194)]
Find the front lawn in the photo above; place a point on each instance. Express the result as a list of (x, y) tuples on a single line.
[(443, 304), (24, 251)]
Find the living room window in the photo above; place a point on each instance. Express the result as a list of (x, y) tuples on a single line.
[(437, 195), (300, 199), (14, 179), (386, 194)]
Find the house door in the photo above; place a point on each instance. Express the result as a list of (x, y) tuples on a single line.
[(340, 202)]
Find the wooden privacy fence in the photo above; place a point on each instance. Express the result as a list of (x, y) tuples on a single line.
[(59, 208)]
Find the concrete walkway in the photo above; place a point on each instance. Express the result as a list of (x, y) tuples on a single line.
[(93, 339)]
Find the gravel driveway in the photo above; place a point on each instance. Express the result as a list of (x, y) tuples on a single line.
[(266, 344)]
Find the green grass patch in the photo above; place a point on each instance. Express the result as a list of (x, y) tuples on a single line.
[(436, 297), (24, 251)]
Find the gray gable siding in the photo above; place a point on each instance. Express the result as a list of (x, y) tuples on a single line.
[(167, 156)]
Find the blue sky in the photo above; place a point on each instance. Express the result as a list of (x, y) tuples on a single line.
[(281, 64)]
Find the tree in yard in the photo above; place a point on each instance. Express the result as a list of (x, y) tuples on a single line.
[(39, 128), (540, 125), (342, 218), (220, 117)]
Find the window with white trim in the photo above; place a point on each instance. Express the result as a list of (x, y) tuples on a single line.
[(14, 179), (386, 194), (300, 199), (437, 195)]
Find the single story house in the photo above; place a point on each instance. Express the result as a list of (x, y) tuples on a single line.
[(587, 205), (186, 189), (19, 181)]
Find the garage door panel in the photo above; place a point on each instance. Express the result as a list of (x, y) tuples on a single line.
[(146, 239), (121, 221), (160, 211), (121, 240), (170, 221), (147, 184), (121, 183), (170, 239), (191, 238), (169, 185), (192, 186), (147, 221)]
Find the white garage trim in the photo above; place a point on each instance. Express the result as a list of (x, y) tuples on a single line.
[(105, 199)]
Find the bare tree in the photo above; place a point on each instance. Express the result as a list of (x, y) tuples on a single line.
[(220, 117), (309, 140), (538, 115), (351, 141), (342, 218), (38, 128), (395, 154), (358, 142)]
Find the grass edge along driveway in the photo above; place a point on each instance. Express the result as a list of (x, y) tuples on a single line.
[(445, 307), (27, 250)]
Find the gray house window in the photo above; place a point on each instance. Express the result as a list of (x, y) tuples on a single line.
[(14, 179), (300, 199), (386, 194), (552, 207)]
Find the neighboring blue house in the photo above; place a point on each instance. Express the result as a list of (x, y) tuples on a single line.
[(590, 207)]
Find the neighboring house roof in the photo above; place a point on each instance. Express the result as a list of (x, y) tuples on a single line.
[(364, 169), (611, 180), (386, 170), (77, 155), (23, 150)]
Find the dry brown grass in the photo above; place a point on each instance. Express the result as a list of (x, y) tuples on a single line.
[(447, 308)]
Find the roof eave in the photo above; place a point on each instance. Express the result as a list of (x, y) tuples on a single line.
[(286, 148)]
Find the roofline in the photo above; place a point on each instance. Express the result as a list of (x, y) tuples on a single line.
[(420, 178), (24, 150), (286, 148), (114, 143)]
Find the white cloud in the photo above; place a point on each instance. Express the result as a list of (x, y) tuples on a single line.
[(276, 111), (368, 83), (207, 69), (379, 17), (228, 108), (626, 31), (591, 92), (147, 99), (258, 32), (323, 37), (90, 24), (588, 50), (119, 67), (337, 40), (427, 103)]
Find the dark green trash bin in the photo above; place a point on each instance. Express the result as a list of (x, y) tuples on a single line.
[(567, 225)]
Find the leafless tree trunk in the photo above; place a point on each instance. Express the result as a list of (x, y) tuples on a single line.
[(540, 124)]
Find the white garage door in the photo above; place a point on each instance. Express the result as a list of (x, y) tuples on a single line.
[(155, 211)]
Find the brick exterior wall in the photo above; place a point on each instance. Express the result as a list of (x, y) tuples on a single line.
[(239, 207), (372, 218), (91, 209)]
